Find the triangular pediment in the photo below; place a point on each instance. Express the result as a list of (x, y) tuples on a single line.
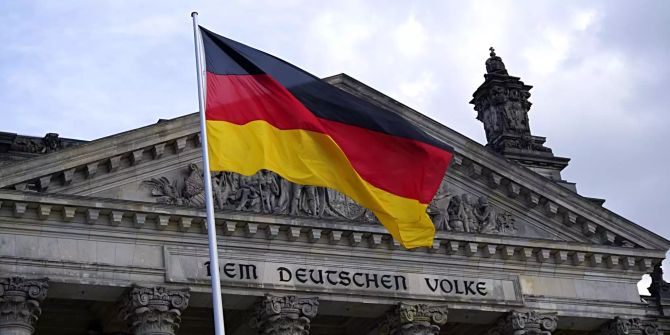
[(483, 193)]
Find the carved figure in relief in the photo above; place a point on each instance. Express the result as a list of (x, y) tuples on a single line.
[(486, 215), (464, 214), (269, 193), (438, 210), (457, 216), (469, 219), (296, 199), (51, 143), (269, 190), (223, 189), (310, 201), (283, 201), (248, 193)]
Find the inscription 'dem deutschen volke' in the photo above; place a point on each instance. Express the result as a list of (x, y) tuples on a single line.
[(344, 278)]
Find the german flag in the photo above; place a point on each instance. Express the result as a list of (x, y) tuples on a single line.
[(264, 113)]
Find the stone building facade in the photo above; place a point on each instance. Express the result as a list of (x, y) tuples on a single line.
[(108, 237)]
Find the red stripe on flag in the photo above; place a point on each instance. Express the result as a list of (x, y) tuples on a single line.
[(241, 99), (404, 167)]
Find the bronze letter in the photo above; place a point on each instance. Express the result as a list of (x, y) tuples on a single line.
[(481, 288), (328, 273), (246, 270), (400, 279), (344, 278), (431, 286), (283, 270), (301, 275), (229, 270)]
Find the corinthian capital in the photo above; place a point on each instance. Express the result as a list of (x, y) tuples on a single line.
[(525, 323), (20, 303), (287, 315), (154, 310), (626, 326), (405, 319)]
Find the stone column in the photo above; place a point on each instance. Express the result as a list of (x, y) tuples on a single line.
[(153, 310), (20, 304), (405, 319), (626, 326), (525, 323), (287, 315)]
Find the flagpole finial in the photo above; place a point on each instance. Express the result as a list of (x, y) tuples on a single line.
[(194, 14)]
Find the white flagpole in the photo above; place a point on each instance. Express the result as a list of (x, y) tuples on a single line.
[(209, 205)]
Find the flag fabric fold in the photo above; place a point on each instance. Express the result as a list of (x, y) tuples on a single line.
[(264, 113)]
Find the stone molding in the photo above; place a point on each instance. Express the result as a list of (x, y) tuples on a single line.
[(20, 301), (100, 157), (150, 143), (285, 315), (525, 323), (629, 326), (420, 319), (153, 310), (554, 209), (303, 230)]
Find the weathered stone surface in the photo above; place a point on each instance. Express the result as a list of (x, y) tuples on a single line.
[(626, 326), (286, 315), (420, 319), (264, 192), (267, 192), (525, 323), (153, 310), (660, 290), (20, 301)]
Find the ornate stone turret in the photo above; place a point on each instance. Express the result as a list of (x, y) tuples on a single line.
[(502, 106)]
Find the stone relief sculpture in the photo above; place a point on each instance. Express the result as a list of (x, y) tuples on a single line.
[(263, 192), (51, 142), (453, 212), (267, 192)]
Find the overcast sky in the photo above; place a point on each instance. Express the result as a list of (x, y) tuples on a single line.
[(87, 69)]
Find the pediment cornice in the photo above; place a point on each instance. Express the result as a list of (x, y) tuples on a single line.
[(104, 155), (123, 217), (570, 213), (561, 204)]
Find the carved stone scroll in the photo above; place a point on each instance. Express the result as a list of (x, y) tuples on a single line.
[(153, 310), (405, 319), (626, 326), (525, 323), (20, 301), (287, 315)]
